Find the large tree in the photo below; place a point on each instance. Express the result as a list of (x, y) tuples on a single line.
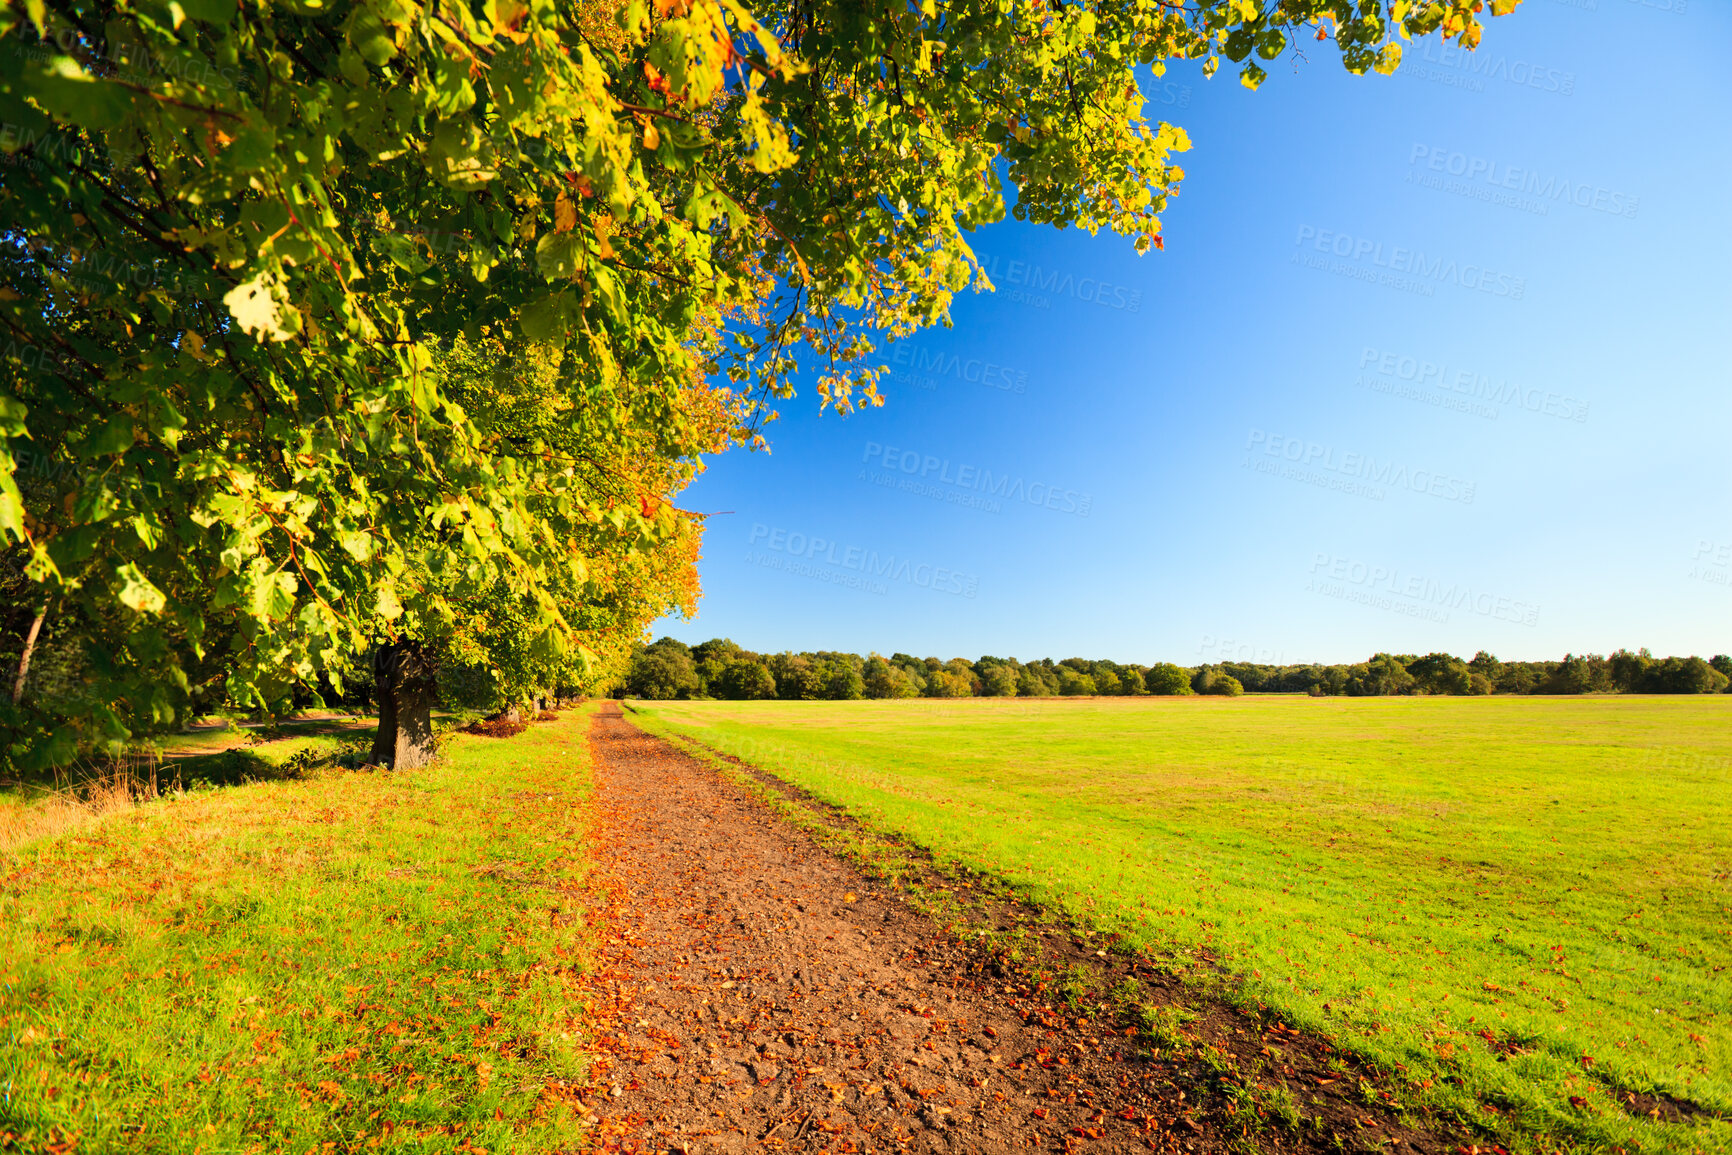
[(241, 236)]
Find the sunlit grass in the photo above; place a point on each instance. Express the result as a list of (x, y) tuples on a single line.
[(1509, 903), (357, 959)]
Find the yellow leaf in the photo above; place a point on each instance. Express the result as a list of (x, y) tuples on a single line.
[(564, 214), (651, 138), (255, 308)]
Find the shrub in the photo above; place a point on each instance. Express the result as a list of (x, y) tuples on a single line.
[(1226, 685)]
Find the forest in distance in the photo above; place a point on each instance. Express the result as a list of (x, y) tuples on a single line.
[(669, 669)]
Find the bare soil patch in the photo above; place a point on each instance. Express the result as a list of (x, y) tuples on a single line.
[(757, 991)]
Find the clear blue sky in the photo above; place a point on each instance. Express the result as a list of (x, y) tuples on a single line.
[(1435, 361)]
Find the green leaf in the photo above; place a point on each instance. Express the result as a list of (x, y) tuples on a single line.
[(217, 12), (114, 436), (545, 319), (136, 592), (356, 544), (402, 252), (612, 298), (12, 415), (11, 501), (65, 89), (273, 594), (559, 255), (372, 37)]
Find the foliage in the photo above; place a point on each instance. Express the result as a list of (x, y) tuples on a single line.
[(1383, 674), (1071, 683), (883, 680), (997, 680), (1166, 678), (1491, 891), (829, 674), (245, 239), (746, 679), (352, 960), (1440, 674), (1222, 685), (662, 671)]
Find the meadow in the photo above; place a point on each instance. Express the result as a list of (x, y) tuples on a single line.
[(338, 960), (1518, 907)]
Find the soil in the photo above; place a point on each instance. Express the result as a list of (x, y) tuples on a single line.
[(758, 991)]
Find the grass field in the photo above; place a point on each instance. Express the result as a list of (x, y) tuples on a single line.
[(1518, 906), (344, 961)]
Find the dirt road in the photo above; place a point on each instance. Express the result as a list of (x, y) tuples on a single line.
[(767, 995)]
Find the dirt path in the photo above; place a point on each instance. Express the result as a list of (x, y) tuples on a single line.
[(764, 994)]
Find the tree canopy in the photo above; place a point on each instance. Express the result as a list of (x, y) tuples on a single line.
[(274, 274)]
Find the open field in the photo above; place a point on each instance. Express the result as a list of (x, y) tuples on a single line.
[(346, 960), (1520, 906)]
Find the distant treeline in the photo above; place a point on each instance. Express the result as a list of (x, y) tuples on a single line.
[(720, 669)]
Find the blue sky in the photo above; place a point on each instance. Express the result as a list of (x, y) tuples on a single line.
[(1434, 361)]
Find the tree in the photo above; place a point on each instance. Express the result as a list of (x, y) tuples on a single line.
[(747, 679), (1516, 678), (841, 679), (797, 677), (1036, 681), (722, 650), (998, 681), (1628, 671), (963, 669), (241, 240), (1579, 674), (948, 683), (1073, 684), (663, 671), (1383, 674), (1440, 674), (1167, 679), (1683, 676), (883, 680), (1225, 685)]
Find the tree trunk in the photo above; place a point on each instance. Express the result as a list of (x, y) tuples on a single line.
[(29, 648), (403, 675)]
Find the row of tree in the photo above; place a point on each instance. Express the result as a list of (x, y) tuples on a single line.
[(719, 668)]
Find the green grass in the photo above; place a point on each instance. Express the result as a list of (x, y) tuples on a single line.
[(353, 960), (1506, 903)]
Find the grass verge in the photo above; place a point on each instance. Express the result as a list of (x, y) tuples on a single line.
[(349, 961)]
